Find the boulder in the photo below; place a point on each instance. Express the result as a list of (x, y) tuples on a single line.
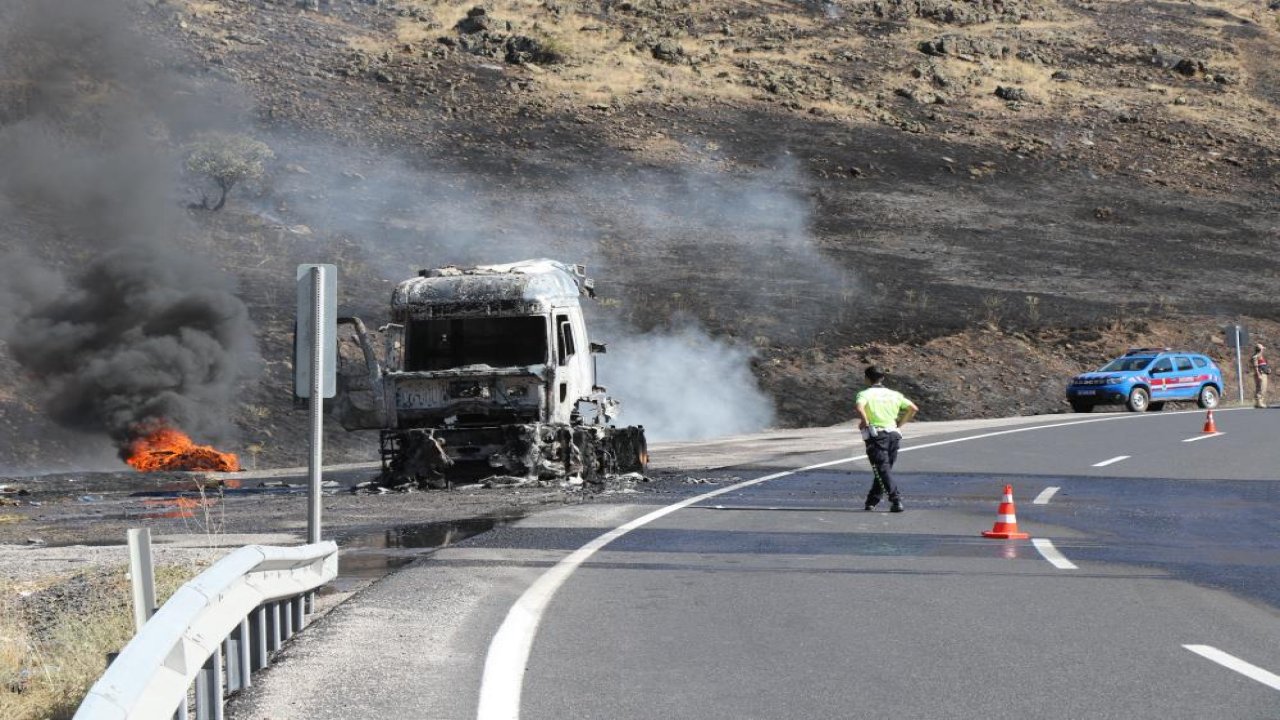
[(963, 47), (477, 20), (1188, 67), (1012, 93), (667, 51)]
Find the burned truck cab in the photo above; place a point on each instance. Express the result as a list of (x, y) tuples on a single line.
[(489, 370)]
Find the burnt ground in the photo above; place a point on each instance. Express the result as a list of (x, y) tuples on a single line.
[(828, 183)]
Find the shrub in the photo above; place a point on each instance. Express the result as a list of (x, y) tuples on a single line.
[(227, 160)]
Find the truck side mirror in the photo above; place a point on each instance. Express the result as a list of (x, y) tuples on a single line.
[(393, 353), (599, 348)]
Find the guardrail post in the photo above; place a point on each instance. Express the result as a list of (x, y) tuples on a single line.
[(209, 689), (237, 651), (258, 632), (142, 576), (275, 637), (299, 616), (286, 608)]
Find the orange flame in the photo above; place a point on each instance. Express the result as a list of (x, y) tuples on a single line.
[(170, 449)]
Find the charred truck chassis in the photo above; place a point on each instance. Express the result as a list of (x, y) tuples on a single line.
[(422, 457), (483, 373)]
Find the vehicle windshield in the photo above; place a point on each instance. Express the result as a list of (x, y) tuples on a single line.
[(441, 344), (1127, 364)]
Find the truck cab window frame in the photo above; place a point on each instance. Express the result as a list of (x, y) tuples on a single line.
[(565, 346)]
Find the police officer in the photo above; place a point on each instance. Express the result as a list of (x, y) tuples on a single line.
[(882, 411), (1261, 371)]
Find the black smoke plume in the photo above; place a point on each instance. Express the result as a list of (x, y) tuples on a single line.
[(130, 328)]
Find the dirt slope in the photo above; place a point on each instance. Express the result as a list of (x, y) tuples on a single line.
[(987, 196)]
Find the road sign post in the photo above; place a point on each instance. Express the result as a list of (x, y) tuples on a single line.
[(315, 368)]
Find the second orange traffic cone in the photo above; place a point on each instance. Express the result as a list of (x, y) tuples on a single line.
[(1006, 527), (1209, 425)]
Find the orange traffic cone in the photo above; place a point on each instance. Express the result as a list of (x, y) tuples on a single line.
[(1209, 425), (1006, 527)]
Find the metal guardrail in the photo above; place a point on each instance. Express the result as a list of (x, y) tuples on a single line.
[(214, 632)]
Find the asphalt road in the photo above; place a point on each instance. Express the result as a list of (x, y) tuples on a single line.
[(1156, 595)]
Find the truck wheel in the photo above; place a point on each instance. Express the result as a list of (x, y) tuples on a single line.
[(589, 456), (643, 446), (1139, 399), (1081, 407), (632, 449), (1208, 397)]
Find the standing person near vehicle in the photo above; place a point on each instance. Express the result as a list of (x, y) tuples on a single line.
[(882, 411), (1260, 372)]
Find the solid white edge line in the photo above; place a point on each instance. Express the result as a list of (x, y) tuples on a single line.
[(1231, 662), (1112, 461), (1206, 436), (1045, 495), (1050, 553), (508, 655), (503, 680)]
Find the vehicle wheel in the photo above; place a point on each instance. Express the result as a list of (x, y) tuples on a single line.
[(1139, 399), (1208, 397), (633, 454), (1081, 407), (1157, 406)]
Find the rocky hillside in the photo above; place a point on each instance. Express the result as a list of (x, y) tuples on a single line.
[(985, 194)]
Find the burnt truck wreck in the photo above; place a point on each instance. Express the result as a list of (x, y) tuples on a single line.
[(485, 371)]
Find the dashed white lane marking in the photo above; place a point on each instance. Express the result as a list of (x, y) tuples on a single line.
[(1231, 662), (1045, 495), (503, 680), (1112, 461), (1206, 436), (1050, 553)]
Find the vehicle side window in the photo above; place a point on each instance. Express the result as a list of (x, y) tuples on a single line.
[(1200, 362), (1183, 363), (564, 339), (1163, 365)]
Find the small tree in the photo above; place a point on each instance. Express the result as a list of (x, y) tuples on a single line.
[(228, 160)]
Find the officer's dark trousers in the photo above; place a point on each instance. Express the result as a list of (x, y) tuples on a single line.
[(882, 452)]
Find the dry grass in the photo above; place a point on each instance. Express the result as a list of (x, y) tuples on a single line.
[(414, 32), (602, 65), (48, 662), (368, 44), (200, 8)]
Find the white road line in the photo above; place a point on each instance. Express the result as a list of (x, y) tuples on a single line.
[(1045, 495), (1112, 461), (1206, 436), (1231, 662), (503, 680), (508, 654), (1050, 553)]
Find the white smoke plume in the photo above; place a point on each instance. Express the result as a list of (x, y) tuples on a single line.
[(683, 384), (718, 255)]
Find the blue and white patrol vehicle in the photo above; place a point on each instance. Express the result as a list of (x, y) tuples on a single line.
[(1147, 378)]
